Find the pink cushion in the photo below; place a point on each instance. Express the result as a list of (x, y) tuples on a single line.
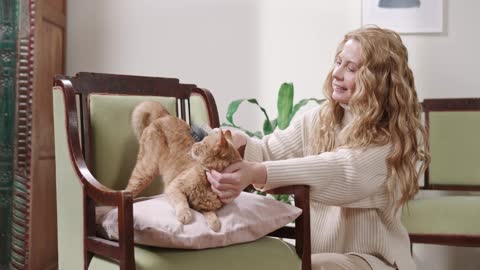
[(247, 218)]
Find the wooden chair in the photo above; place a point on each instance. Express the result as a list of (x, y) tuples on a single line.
[(453, 127), (95, 152)]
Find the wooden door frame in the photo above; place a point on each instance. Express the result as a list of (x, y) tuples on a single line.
[(28, 223)]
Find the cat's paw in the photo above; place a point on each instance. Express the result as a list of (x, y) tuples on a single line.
[(214, 225), (185, 216)]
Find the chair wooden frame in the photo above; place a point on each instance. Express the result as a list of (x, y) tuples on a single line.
[(95, 193), (445, 105)]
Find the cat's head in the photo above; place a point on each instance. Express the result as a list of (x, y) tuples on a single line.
[(215, 149)]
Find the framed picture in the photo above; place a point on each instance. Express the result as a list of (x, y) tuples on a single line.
[(404, 16)]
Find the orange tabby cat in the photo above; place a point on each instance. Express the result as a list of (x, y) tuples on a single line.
[(167, 148)]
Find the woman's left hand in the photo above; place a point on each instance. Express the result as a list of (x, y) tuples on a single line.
[(235, 178)]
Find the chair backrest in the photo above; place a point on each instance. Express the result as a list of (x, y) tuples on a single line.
[(454, 139), (107, 102)]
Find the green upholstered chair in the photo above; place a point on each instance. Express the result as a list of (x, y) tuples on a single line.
[(453, 127), (95, 153)]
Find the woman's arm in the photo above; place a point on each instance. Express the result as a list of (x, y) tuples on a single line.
[(235, 178), (348, 178), (282, 144)]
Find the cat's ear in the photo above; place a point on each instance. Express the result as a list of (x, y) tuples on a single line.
[(223, 140), (228, 134)]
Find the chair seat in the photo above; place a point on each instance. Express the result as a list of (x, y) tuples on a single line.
[(454, 215), (261, 254)]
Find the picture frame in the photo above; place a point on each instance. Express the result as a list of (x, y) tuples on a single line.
[(404, 16)]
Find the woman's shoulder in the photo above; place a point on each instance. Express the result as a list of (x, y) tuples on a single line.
[(309, 113)]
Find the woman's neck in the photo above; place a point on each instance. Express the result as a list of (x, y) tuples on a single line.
[(347, 115)]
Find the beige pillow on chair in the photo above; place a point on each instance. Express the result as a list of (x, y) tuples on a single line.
[(248, 218)]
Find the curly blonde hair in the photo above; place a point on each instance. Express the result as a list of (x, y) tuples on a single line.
[(386, 108)]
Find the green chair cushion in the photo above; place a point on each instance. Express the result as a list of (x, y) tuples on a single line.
[(265, 253), (443, 215), (198, 110), (454, 146), (114, 144)]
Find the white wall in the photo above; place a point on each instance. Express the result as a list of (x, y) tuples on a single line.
[(213, 43), (235, 48), (247, 48), (298, 43), (446, 65)]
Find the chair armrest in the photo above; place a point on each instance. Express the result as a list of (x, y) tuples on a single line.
[(94, 192), (301, 232), (94, 189)]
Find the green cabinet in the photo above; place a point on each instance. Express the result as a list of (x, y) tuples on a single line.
[(8, 64)]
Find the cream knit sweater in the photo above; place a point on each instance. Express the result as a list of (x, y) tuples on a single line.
[(349, 204)]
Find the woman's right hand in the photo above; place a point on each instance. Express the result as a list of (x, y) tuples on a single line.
[(229, 183)]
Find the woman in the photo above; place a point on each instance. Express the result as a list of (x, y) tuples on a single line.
[(358, 153)]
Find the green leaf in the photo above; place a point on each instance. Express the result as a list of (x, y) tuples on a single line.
[(254, 101), (286, 111), (284, 104), (283, 198), (257, 134), (259, 192), (300, 104), (267, 127), (232, 108), (274, 124)]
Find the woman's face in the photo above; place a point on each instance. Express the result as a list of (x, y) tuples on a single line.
[(345, 71)]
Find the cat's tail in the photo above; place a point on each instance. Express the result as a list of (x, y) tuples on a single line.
[(144, 114)]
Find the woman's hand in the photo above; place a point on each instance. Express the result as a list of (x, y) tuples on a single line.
[(235, 178)]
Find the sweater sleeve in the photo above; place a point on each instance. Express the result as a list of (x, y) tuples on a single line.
[(281, 144), (346, 177)]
